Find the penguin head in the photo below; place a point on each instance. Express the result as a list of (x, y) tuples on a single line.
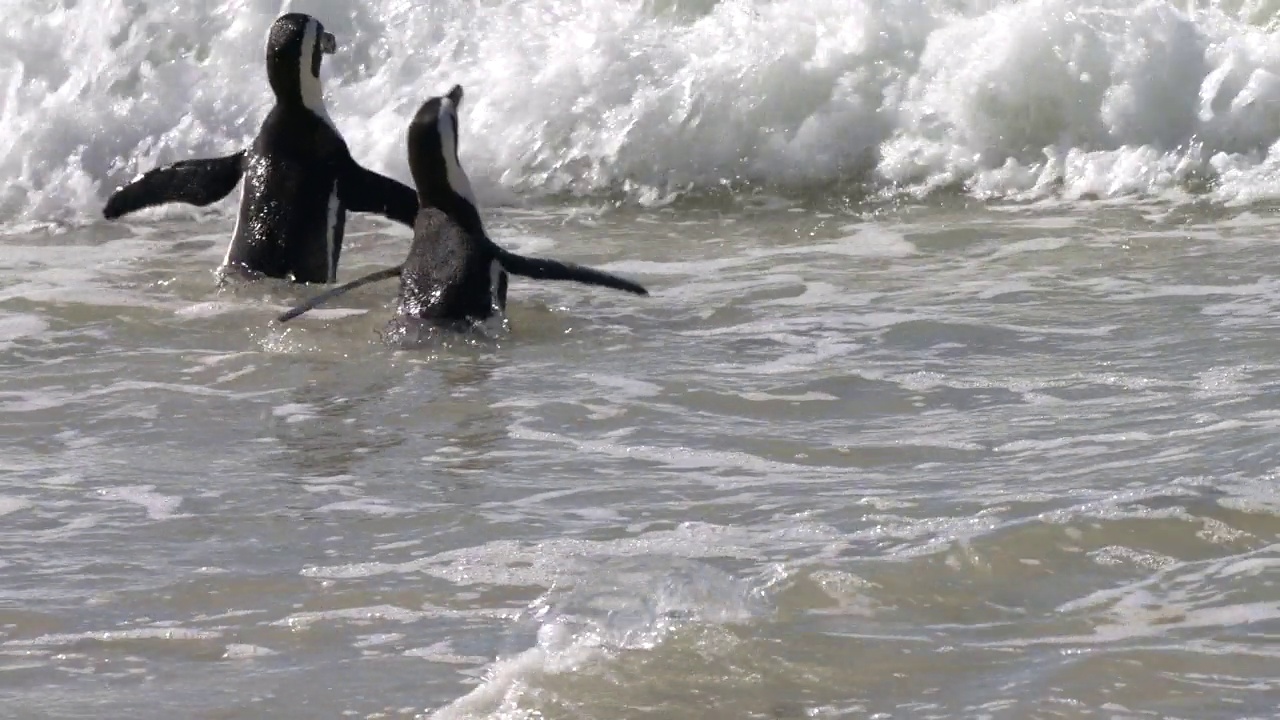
[(296, 45), (433, 152)]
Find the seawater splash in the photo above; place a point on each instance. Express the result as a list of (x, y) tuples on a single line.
[(631, 607), (645, 99)]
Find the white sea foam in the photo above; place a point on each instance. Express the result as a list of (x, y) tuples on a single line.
[(156, 505), (586, 626), (999, 98)]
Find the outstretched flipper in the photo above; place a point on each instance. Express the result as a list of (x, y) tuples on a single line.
[(327, 295), (363, 190), (196, 182), (544, 269)]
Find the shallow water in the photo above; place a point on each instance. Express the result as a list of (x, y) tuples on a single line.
[(926, 462), (953, 398)]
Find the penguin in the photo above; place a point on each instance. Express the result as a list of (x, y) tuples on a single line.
[(297, 181), (454, 273)]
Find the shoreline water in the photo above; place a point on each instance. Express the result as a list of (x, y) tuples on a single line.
[(961, 461), (953, 396)]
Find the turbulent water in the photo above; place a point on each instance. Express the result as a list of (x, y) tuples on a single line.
[(954, 396), (654, 99)]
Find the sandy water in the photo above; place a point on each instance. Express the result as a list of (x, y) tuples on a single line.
[(935, 461), (1002, 449)]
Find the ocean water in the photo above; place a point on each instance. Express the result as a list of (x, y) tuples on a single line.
[(954, 396)]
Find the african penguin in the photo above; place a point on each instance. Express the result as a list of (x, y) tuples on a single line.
[(454, 272), (299, 179)]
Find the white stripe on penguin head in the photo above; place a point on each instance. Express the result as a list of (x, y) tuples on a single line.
[(309, 84), (447, 122)]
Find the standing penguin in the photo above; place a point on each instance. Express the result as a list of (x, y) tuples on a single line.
[(454, 271), (299, 179)]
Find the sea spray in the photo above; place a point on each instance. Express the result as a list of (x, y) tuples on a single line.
[(648, 99)]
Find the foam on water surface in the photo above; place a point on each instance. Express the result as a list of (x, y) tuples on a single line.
[(1016, 100), (1002, 459)]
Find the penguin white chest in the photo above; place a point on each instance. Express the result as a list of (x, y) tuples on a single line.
[(332, 214)]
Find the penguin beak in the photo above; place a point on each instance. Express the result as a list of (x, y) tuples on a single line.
[(455, 95), (328, 43)]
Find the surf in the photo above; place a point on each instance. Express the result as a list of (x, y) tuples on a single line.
[(641, 102)]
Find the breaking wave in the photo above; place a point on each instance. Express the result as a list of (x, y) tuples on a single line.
[(645, 100)]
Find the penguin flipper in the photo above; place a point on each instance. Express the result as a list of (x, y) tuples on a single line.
[(546, 269), (195, 182), (363, 190), (327, 295)]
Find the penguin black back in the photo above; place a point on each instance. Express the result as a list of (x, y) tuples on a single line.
[(298, 179), (452, 272), (291, 221)]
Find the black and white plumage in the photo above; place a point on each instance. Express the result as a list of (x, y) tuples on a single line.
[(298, 179), (454, 272)]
